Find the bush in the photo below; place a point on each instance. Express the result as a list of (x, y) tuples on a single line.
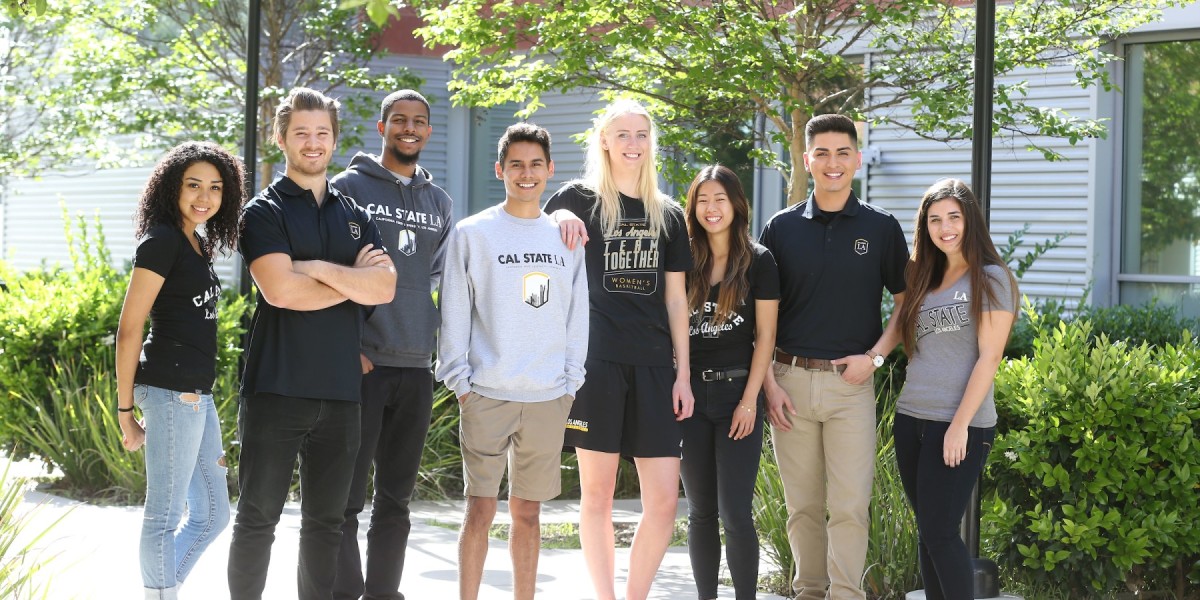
[(48, 315), (1095, 482), (20, 563), (59, 379)]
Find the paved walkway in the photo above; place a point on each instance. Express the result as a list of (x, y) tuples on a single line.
[(95, 556)]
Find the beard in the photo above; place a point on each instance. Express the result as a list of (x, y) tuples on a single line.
[(403, 158)]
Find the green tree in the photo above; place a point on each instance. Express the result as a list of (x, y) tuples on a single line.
[(157, 72), (709, 67), (41, 122)]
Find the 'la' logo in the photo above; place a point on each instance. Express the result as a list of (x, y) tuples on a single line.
[(407, 243), (536, 289), (355, 232), (860, 246), (961, 296)]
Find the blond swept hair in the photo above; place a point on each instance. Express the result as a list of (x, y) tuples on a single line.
[(598, 173)]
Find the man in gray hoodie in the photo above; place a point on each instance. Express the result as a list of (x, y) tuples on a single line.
[(512, 350), (414, 218)]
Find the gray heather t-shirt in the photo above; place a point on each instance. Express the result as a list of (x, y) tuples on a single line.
[(947, 350)]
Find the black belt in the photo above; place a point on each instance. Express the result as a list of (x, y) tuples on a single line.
[(710, 375)]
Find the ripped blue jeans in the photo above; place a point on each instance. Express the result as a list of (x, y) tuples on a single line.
[(185, 469)]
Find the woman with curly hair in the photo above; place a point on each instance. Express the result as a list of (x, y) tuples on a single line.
[(733, 294), (170, 376)]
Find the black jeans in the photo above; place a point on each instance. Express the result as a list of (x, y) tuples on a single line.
[(718, 479), (397, 403), (273, 430), (938, 495)]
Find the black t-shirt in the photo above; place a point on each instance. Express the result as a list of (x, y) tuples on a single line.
[(180, 353), (732, 345), (832, 271), (627, 278), (313, 353)]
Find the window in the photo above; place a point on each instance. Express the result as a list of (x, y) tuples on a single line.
[(1160, 224)]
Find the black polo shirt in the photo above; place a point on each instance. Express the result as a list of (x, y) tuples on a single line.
[(305, 354), (832, 271)]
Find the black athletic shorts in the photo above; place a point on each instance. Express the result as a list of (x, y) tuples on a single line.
[(625, 409)]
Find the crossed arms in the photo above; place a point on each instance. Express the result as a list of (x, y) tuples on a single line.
[(315, 284)]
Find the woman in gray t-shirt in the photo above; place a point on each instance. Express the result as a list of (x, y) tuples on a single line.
[(962, 301)]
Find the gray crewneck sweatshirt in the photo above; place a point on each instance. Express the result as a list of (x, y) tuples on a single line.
[(514, 310)]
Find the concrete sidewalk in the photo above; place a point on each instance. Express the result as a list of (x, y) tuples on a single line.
[(92, 553)]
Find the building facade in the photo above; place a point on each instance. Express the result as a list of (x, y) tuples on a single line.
[(1128, 204)]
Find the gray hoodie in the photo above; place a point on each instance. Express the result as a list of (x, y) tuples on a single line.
[(415, 221)]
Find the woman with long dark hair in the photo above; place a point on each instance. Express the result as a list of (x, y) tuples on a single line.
[(962, 300), (170, 376), (733, 294), (637, 386)]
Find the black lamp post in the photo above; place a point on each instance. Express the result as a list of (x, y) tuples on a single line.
[(986, 575), (250, 142)]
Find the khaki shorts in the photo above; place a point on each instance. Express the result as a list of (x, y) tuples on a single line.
[(528, 436)]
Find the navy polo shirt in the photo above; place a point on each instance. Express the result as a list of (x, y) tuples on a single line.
[(305, 354), (832, 271)]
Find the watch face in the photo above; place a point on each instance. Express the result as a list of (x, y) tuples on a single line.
[(878, 360)]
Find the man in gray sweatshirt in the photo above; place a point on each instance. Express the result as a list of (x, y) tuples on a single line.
[(512, 348), (414, 217)]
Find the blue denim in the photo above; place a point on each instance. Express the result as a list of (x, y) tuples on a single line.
[(184, 469)]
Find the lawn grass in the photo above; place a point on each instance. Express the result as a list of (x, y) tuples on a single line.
[(565, 536)]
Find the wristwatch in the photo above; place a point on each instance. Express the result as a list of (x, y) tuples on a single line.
[(876, 358)]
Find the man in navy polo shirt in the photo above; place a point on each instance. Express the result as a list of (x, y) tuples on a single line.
[(835, 256), (317, 259)]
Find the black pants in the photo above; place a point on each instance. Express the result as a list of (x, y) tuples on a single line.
[(718, 479), (273, 430), (938, 495), (397, 403)]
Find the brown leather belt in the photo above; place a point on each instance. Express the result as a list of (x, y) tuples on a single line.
[(812, 364)]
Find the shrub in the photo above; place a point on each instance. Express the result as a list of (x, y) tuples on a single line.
[(52, 314), (893, 568), (19, 562), (1153, 323), (58, 375), (1095, 482)]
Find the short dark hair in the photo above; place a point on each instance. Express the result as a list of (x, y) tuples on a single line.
[(385, 107), (830, 123), (522, 132), (303, 98)]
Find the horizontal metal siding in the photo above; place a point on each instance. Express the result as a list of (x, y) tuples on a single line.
[(34, 232), (436, 74), (564, 116), (1053, 197)]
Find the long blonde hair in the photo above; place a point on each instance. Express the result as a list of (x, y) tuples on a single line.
[(598, 175)]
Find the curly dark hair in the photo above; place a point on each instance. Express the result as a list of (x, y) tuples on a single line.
[(159, 204)]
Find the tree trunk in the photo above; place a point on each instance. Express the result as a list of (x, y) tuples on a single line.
[(797, 189)]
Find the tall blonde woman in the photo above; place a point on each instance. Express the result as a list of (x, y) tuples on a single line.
[(637, 387)]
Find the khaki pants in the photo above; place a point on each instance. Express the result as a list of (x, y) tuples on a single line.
[(827, 460)]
